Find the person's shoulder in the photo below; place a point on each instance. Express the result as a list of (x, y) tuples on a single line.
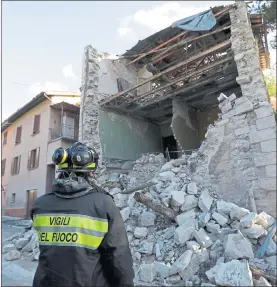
[(43, 198)]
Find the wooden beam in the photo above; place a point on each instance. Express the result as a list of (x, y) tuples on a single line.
[(222, 45), (222, 12), (186, 88), (159, 56), (189, 75)]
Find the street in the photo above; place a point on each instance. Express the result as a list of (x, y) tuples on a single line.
[(19, 272)]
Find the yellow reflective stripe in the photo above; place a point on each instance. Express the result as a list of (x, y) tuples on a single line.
[(80, 221), (91, 165), (64, 156), (63, 165), (75, 239)]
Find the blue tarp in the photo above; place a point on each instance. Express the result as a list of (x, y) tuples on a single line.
[(203, 21)]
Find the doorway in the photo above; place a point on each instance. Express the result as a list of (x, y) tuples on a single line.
[(170, 144), (31, 197)]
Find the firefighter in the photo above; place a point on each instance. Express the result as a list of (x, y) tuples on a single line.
[(82, 238)]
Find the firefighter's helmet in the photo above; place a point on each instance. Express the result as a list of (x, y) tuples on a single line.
[(76, 158)]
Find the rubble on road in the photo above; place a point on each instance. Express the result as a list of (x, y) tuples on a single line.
[(211, 241)]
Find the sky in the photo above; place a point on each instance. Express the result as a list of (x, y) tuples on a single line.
[(43, 42)]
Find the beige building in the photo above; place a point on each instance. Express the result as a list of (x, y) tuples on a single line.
[(29, 137)]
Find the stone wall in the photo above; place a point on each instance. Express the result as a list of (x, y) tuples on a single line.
[(245, 162)]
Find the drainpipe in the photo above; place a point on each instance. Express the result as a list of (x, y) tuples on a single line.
[(61, 133)]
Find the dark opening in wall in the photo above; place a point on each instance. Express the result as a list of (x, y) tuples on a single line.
[(170, 147)]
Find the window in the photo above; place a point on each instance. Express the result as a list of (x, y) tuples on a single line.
[(3, 166), (13, 198), (33, 159), (36, 127), (18, 135), (16, 165), (5, 139)]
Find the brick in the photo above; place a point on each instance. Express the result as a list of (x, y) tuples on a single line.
[(268, 146), (270, 170), (263, 135), (265, 159), (244, 108), (264, 123), (242, 131), (243, 80), (268, 184), (232, 97), (263, 112), (240, 100), (226, 108)]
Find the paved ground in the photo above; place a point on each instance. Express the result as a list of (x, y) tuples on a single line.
[(19, 272)]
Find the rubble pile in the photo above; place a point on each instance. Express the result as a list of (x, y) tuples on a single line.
[(210, 242)]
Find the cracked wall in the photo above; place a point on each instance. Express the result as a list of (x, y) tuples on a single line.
[(112, 135), (245, 162)]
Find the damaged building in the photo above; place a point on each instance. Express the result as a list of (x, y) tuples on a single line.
[(164, 93)]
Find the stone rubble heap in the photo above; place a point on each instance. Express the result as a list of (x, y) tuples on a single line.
[(212, 242)]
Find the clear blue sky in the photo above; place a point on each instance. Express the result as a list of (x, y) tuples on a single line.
[(43, 42)]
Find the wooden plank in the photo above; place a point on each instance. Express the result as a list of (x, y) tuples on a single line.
[(159, 56), (195, 72), (185, 89), (177, 66)]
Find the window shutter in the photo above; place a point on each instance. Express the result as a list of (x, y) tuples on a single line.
[(18, 163), (12, 166), (37, 158), (36, 124), (18, 135), (29, 160), (3, 166)]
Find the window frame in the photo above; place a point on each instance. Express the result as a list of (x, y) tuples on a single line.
[(3, 162), (13, 171), (18, 141), (36, 125), (33, 161), (5, 138)]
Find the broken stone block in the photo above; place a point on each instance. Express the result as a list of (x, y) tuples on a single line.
[(262, 282), (226, 108), (32, 244), (207, 285), (232, 97), (243, 108), (237, 213), (147, 272), (192, 188), (224, 207), (220, 219), (7, 248), (140, 232), (121, 200), (125, 213), (12, 255), (147, 247), (177, 197), (198, 257), (237, 246), (203, 238), (167, 175), (255, 231), (203, 219), (174, 279), (233, 273), (213, 228), (271, 260), (186, 216), (193, 245), (35, 254), (243, 79), (184, 232), (167, 166), (190, 202), (162, 270), (181, 263), (271, 248), (265, 220), (205, 201), (147, 218), (222, 97), (178, 162), (249, 219), (220, 260), (20, 243)]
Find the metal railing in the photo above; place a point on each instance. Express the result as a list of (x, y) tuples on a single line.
[(64, 131)]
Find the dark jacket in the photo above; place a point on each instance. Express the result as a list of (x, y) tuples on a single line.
[(82, 238)]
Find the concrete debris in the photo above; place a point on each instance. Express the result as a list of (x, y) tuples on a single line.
[(210, 237), (12, 255)]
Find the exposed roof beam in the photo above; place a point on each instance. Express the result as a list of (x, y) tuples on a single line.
[(211, 50), (185, 88)]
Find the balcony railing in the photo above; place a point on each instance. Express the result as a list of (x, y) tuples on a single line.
[(64, 132)]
